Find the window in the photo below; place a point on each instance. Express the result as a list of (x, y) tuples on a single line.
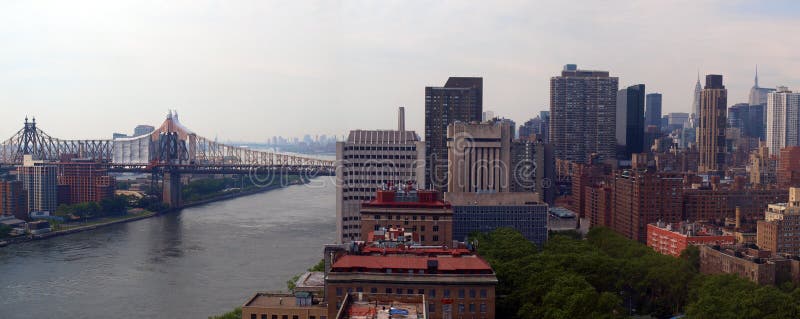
[(483, 308), (422, 228), (253, 316), (295, 317), (410, 291), (377, 217), (338, 291), (274, 316), (472, 293), (431, 307), (472, 308), (312, 317), (483, 293), (432, 293), (447, 293), (461, 293), (461, 308), (285, 316), (264, 316), (388, 290), (421, 291), (359, 289), (373, 290), (435, 228), (435, 237)]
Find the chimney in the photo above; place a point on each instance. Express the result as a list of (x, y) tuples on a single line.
[(738, 217), (401, 119)]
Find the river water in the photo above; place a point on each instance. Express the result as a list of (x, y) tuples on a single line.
[(195, 263)]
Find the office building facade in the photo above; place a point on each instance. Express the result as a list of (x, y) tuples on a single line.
[(479, 156), (630, 122), (524, 212), (367, 161), (653, 111)]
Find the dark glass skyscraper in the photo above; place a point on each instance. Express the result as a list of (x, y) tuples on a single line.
[(461, 99), (653, 112), (630, 120)]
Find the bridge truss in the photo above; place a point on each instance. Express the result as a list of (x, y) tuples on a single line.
[(171, 144)]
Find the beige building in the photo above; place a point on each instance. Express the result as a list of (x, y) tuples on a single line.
[(779, 232), (369, 160), (763, 166), (479, 156)]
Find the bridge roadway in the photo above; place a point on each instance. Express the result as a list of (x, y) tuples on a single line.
[(238, 169)]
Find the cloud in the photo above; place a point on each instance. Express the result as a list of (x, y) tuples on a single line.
[(249, 70)]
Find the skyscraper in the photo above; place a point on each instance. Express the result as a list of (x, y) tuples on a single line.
[(695, 116), (711, 125), (758, 106), (739, 117), (461, 99), (783, 120), (369, 160), (653, 112), (758, 95), (583, 114), (630, 120)]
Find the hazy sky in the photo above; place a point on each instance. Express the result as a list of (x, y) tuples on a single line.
[(248, 70)]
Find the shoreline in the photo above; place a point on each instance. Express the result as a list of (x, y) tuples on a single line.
[(79, 229)]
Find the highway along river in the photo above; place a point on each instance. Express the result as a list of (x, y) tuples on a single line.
[(198, 262)]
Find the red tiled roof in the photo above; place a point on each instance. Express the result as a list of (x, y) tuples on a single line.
[(411, 262)]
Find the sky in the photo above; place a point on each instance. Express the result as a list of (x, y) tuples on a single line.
[(249, 70)]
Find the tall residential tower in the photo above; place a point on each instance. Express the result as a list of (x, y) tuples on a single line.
[(711, 125), (583, 114)]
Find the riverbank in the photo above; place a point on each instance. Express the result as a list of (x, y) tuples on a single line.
[(143, 215)]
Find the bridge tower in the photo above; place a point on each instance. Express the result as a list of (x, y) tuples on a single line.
[(171, 194)]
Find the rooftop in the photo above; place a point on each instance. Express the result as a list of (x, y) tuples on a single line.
[(422, 264), (382, 306), (690, 229), (310, 280), (275, 300)]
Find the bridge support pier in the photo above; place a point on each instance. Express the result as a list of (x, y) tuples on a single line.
[(171, 193)]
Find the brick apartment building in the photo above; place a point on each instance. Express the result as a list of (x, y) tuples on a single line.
[(455, 282), (419, 211), (788, 171), (83, 180), (13, 200), (641, 198), (673, 238)]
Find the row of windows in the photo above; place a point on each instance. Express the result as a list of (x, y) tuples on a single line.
[(413, 217), (381, 157), (461, 293), (380, 148)]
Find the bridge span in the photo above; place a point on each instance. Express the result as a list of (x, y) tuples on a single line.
[(169, 151)]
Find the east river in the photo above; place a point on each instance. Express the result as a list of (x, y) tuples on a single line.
[(198, 262)]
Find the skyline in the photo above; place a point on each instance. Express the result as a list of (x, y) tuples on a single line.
[(239, 71)]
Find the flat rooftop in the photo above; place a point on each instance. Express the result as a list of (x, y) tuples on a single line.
[(382, 306), (311, 280), (274, 300)]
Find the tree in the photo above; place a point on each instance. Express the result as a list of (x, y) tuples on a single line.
[(233, 314)]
